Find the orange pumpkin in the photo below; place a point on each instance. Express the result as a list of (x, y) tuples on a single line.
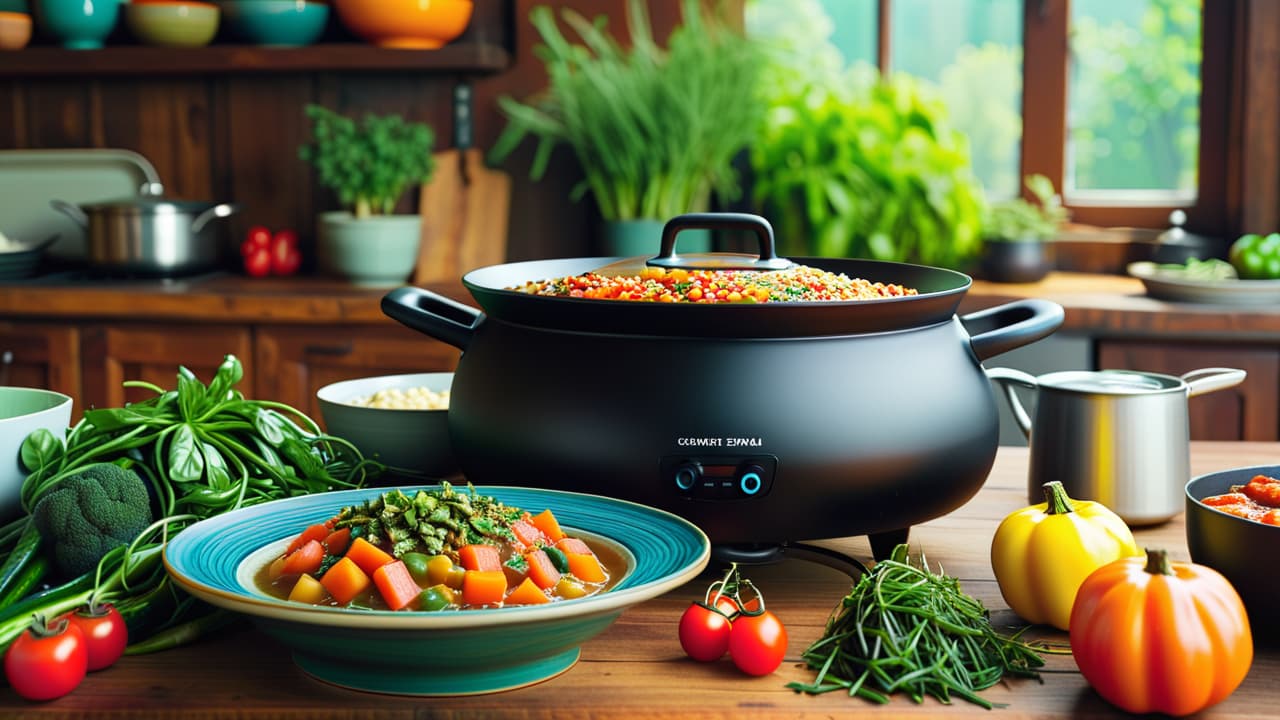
[(1152, 635)]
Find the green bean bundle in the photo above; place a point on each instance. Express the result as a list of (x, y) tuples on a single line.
[(905, 629)]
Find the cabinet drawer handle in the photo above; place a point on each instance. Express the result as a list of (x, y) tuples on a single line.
[(330, 350)]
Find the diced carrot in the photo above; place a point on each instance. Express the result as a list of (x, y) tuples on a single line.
[(527, 593), (314, 532), (484, 587), (547, 523), (305, 559), (345, 580), (586, 568), (396, 584), (480, 557), (542, 571), (307, 590), (336, 542), (526, 533), (573, 545), (368, 556)]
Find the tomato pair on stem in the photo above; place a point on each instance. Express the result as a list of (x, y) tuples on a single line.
[(724, 622), (265, 253), (50, 659)]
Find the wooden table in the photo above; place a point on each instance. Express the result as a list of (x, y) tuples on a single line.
[(636, 668)]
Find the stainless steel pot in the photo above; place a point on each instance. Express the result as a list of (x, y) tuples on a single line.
[(151, 234), (1117, 437)]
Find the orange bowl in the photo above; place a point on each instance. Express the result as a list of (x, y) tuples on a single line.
[(15, 30), (410, 24)]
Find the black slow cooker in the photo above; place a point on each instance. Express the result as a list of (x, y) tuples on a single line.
[(765, 424)]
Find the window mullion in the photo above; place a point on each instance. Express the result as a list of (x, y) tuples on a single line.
[(1044, 89)]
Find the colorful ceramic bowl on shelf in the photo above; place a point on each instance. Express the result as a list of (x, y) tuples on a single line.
[(447, 652), (15, 30), (407, 24), (76, 24), (281, 23), (172, 24)]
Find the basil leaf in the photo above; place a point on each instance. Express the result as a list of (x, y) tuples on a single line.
[(215, 467), (268, 425), (40, 449), (186, 462)]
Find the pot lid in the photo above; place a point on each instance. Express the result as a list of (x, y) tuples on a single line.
[(150, 200), (1110, 382)]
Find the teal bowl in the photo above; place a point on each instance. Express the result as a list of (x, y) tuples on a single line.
[(463, 652), (284, 23), (76, 24), (18, 6)]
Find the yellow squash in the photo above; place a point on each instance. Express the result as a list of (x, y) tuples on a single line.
[(1041, 554)]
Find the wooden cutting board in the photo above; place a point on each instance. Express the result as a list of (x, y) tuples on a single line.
[(464, 207)]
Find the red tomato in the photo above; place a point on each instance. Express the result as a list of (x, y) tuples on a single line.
[(757, 643), (105, 634), (46, 661), (258, 263), (257, 237), (285, 256), (704, 633)]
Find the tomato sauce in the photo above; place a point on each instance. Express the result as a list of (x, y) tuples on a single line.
[(1257, 500)]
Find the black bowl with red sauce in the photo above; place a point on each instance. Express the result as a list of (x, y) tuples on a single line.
[(1239, 548)]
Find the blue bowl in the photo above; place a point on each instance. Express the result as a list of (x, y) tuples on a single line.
[(76, 24), (286, 23), (463, 652)]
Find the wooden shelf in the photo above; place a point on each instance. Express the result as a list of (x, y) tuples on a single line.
[(45, 61)]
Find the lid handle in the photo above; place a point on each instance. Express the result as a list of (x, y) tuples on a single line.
[(767, 260)]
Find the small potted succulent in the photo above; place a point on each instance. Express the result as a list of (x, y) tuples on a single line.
[(369, 165), (1015, 234)]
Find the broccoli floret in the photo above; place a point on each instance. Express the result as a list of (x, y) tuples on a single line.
[(90, 513)]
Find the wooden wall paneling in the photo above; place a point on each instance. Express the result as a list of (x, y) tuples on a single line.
[(13, 115), (1249, 411), (60, 113), (42, 356), (152, 353), (1257, 146), (260, 124), (168, 121)]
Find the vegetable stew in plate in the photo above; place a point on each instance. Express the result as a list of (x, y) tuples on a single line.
[(438, 550)]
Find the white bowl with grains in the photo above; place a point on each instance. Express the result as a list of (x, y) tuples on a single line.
[(401, 420)]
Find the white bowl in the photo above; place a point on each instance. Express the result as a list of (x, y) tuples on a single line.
[(24, 410), (416, 441)]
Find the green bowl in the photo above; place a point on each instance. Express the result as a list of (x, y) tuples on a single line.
[(172, 24), (463, 652), (284, 23), (24, 410), (413, 440)]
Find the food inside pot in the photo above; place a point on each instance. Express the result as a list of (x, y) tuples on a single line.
[(655, 284), (438, 550), (1257, 500), (414, 398)]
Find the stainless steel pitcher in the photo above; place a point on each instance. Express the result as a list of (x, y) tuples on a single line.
[(1117, 437)]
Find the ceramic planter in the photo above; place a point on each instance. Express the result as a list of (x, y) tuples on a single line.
[(378, 251)]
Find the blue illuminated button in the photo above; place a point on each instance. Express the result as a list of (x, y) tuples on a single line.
[(687, 476), (750, 483)]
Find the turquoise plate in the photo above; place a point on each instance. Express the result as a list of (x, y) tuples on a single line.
[(446, 653)]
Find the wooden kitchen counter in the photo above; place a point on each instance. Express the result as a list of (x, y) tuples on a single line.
[(636, 667)]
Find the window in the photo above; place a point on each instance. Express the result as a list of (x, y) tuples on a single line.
[(1101, 96)]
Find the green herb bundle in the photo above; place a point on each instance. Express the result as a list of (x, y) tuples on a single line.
[(905, 629), (1019, 220), (655, 130)]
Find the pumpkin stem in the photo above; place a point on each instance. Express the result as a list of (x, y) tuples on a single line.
[(1158, 562), (1056, 498)]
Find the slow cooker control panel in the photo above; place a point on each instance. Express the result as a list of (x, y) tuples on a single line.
[(715, 477)]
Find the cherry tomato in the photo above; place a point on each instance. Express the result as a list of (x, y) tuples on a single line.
[(704, 632), (105, 634), (257, 237), (757, 643), (46, 661), (285, 256), (258, 263)]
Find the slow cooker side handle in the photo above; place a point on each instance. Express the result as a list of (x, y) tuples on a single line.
[(432, 314), (1012, 325)]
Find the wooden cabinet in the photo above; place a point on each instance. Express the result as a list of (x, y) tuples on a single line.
[(152, 352), (41, 355), (293, 362), (1248, 411)]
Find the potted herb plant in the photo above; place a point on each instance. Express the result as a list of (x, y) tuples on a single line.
[(1015, 233), (654, 129), (369, 165)]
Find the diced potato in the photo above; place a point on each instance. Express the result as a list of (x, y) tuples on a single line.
[(308, 590)]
